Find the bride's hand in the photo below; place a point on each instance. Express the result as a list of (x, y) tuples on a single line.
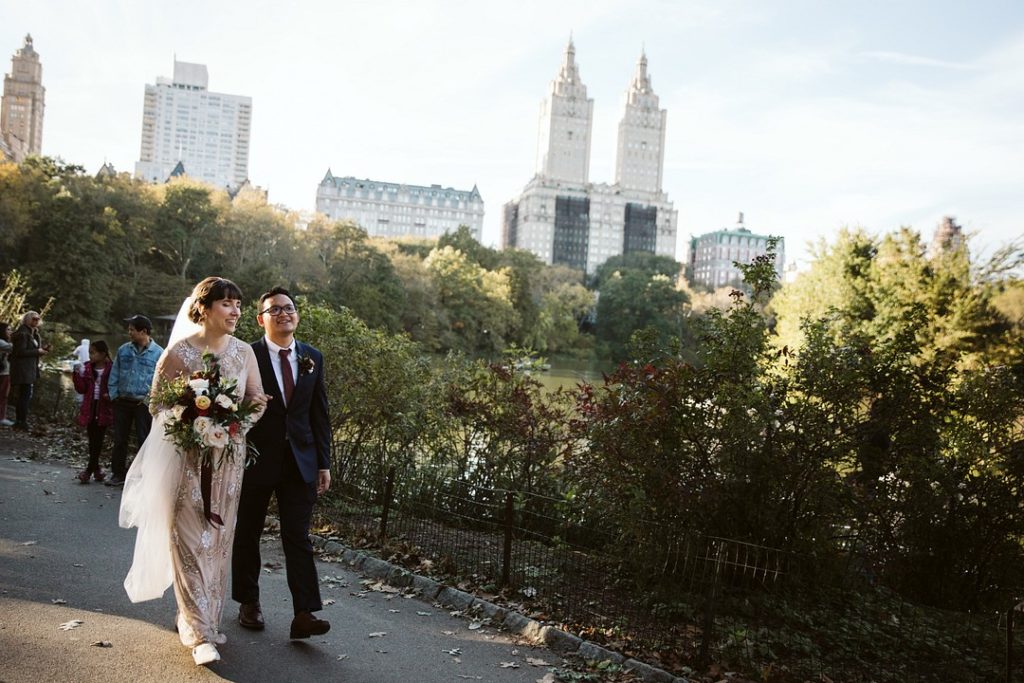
[(260, 400)]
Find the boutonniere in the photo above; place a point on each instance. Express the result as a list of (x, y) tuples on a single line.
[(306, 365)]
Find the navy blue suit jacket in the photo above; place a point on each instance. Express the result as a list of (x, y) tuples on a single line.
[(301, 428)]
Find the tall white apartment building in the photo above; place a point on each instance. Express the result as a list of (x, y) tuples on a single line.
[(396, 210), (208, 132), (561, 216), (21, 109)]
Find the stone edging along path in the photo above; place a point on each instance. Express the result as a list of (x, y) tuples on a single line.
[(533, 631)]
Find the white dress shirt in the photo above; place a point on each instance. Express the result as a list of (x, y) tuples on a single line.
[(275, 362)]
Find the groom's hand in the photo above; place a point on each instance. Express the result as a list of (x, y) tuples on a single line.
[(323, 483)]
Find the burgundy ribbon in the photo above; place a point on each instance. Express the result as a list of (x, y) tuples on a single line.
[(205, 482)]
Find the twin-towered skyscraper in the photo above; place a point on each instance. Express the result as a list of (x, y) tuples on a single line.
[(561, 216)]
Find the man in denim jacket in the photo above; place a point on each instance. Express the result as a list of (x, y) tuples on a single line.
[(130, 380)]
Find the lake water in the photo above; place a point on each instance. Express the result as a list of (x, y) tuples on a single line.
[(567, 374)]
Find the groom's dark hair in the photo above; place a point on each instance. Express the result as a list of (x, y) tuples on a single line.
[(274, 292)]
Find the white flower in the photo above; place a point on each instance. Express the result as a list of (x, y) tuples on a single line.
[(202, 425), (216, 436), (224, 401), (199, 386), (177, 412)]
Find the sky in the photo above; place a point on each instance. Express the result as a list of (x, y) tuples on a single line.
[(807, 116)]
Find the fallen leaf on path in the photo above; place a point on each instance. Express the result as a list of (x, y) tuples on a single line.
[(102, 643), (378, 634), (78, 564), (329, 601), (68, 625), (30, 542), (454, 652), (509, 665), (533, 661), (381, 652), (59, 601), (448, 633), (548, 678), (394, 611), (380, 587), (475, 625), (48, 493), (341, 657), (424, 614)]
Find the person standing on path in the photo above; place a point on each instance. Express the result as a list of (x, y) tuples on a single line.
[(184, 503), (28, 349), (96, 412), (293, 439), (130, 378), (5, 371)]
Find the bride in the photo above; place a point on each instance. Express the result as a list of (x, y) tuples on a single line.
[(178, 540)]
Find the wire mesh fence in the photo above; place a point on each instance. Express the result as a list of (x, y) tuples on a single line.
[(692, 601)]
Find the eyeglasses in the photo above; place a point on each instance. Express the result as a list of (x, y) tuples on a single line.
[(278, 310)]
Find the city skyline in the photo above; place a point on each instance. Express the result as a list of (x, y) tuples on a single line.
[(806, 118)]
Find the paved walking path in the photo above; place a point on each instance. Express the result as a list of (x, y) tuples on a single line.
[(63, 558)]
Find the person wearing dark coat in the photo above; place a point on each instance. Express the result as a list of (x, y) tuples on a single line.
[(293, 439), (27, 349)]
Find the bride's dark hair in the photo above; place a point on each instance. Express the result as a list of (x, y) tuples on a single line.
[(209, 290)]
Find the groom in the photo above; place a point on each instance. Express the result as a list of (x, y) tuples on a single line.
[(293, 439)]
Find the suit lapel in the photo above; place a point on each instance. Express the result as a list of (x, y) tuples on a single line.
[(267, 370), (304, 379)]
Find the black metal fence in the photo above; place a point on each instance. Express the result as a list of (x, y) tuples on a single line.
[(691, 601), (687, 600)]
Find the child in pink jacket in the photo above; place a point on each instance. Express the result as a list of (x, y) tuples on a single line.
[(97, 411)]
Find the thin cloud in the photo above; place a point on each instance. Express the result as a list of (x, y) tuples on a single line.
[(916, 60)]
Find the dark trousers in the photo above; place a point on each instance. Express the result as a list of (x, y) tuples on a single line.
[(5, 389), (126, 414), (96, 433), (22, 404), (295, 499)]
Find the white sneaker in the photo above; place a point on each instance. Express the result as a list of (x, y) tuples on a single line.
[(205, 653), (6, 423)]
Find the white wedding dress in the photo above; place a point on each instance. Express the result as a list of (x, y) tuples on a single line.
[(175, 543)]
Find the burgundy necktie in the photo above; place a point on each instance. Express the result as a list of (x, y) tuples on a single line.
[(286, 375)]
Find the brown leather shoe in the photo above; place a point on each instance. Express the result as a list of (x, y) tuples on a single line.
[(251, 616), (305, 625)]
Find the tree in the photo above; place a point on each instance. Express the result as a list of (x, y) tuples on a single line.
[(632, 300), (898, 347), (356, 274), (462, 240), (647, 263), (477, 301), (562, 312), (186, 233)]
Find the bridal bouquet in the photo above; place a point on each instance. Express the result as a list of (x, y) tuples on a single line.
[(207, 414)]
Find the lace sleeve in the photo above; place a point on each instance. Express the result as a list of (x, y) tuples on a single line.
[(253, 383), (168, 367)]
